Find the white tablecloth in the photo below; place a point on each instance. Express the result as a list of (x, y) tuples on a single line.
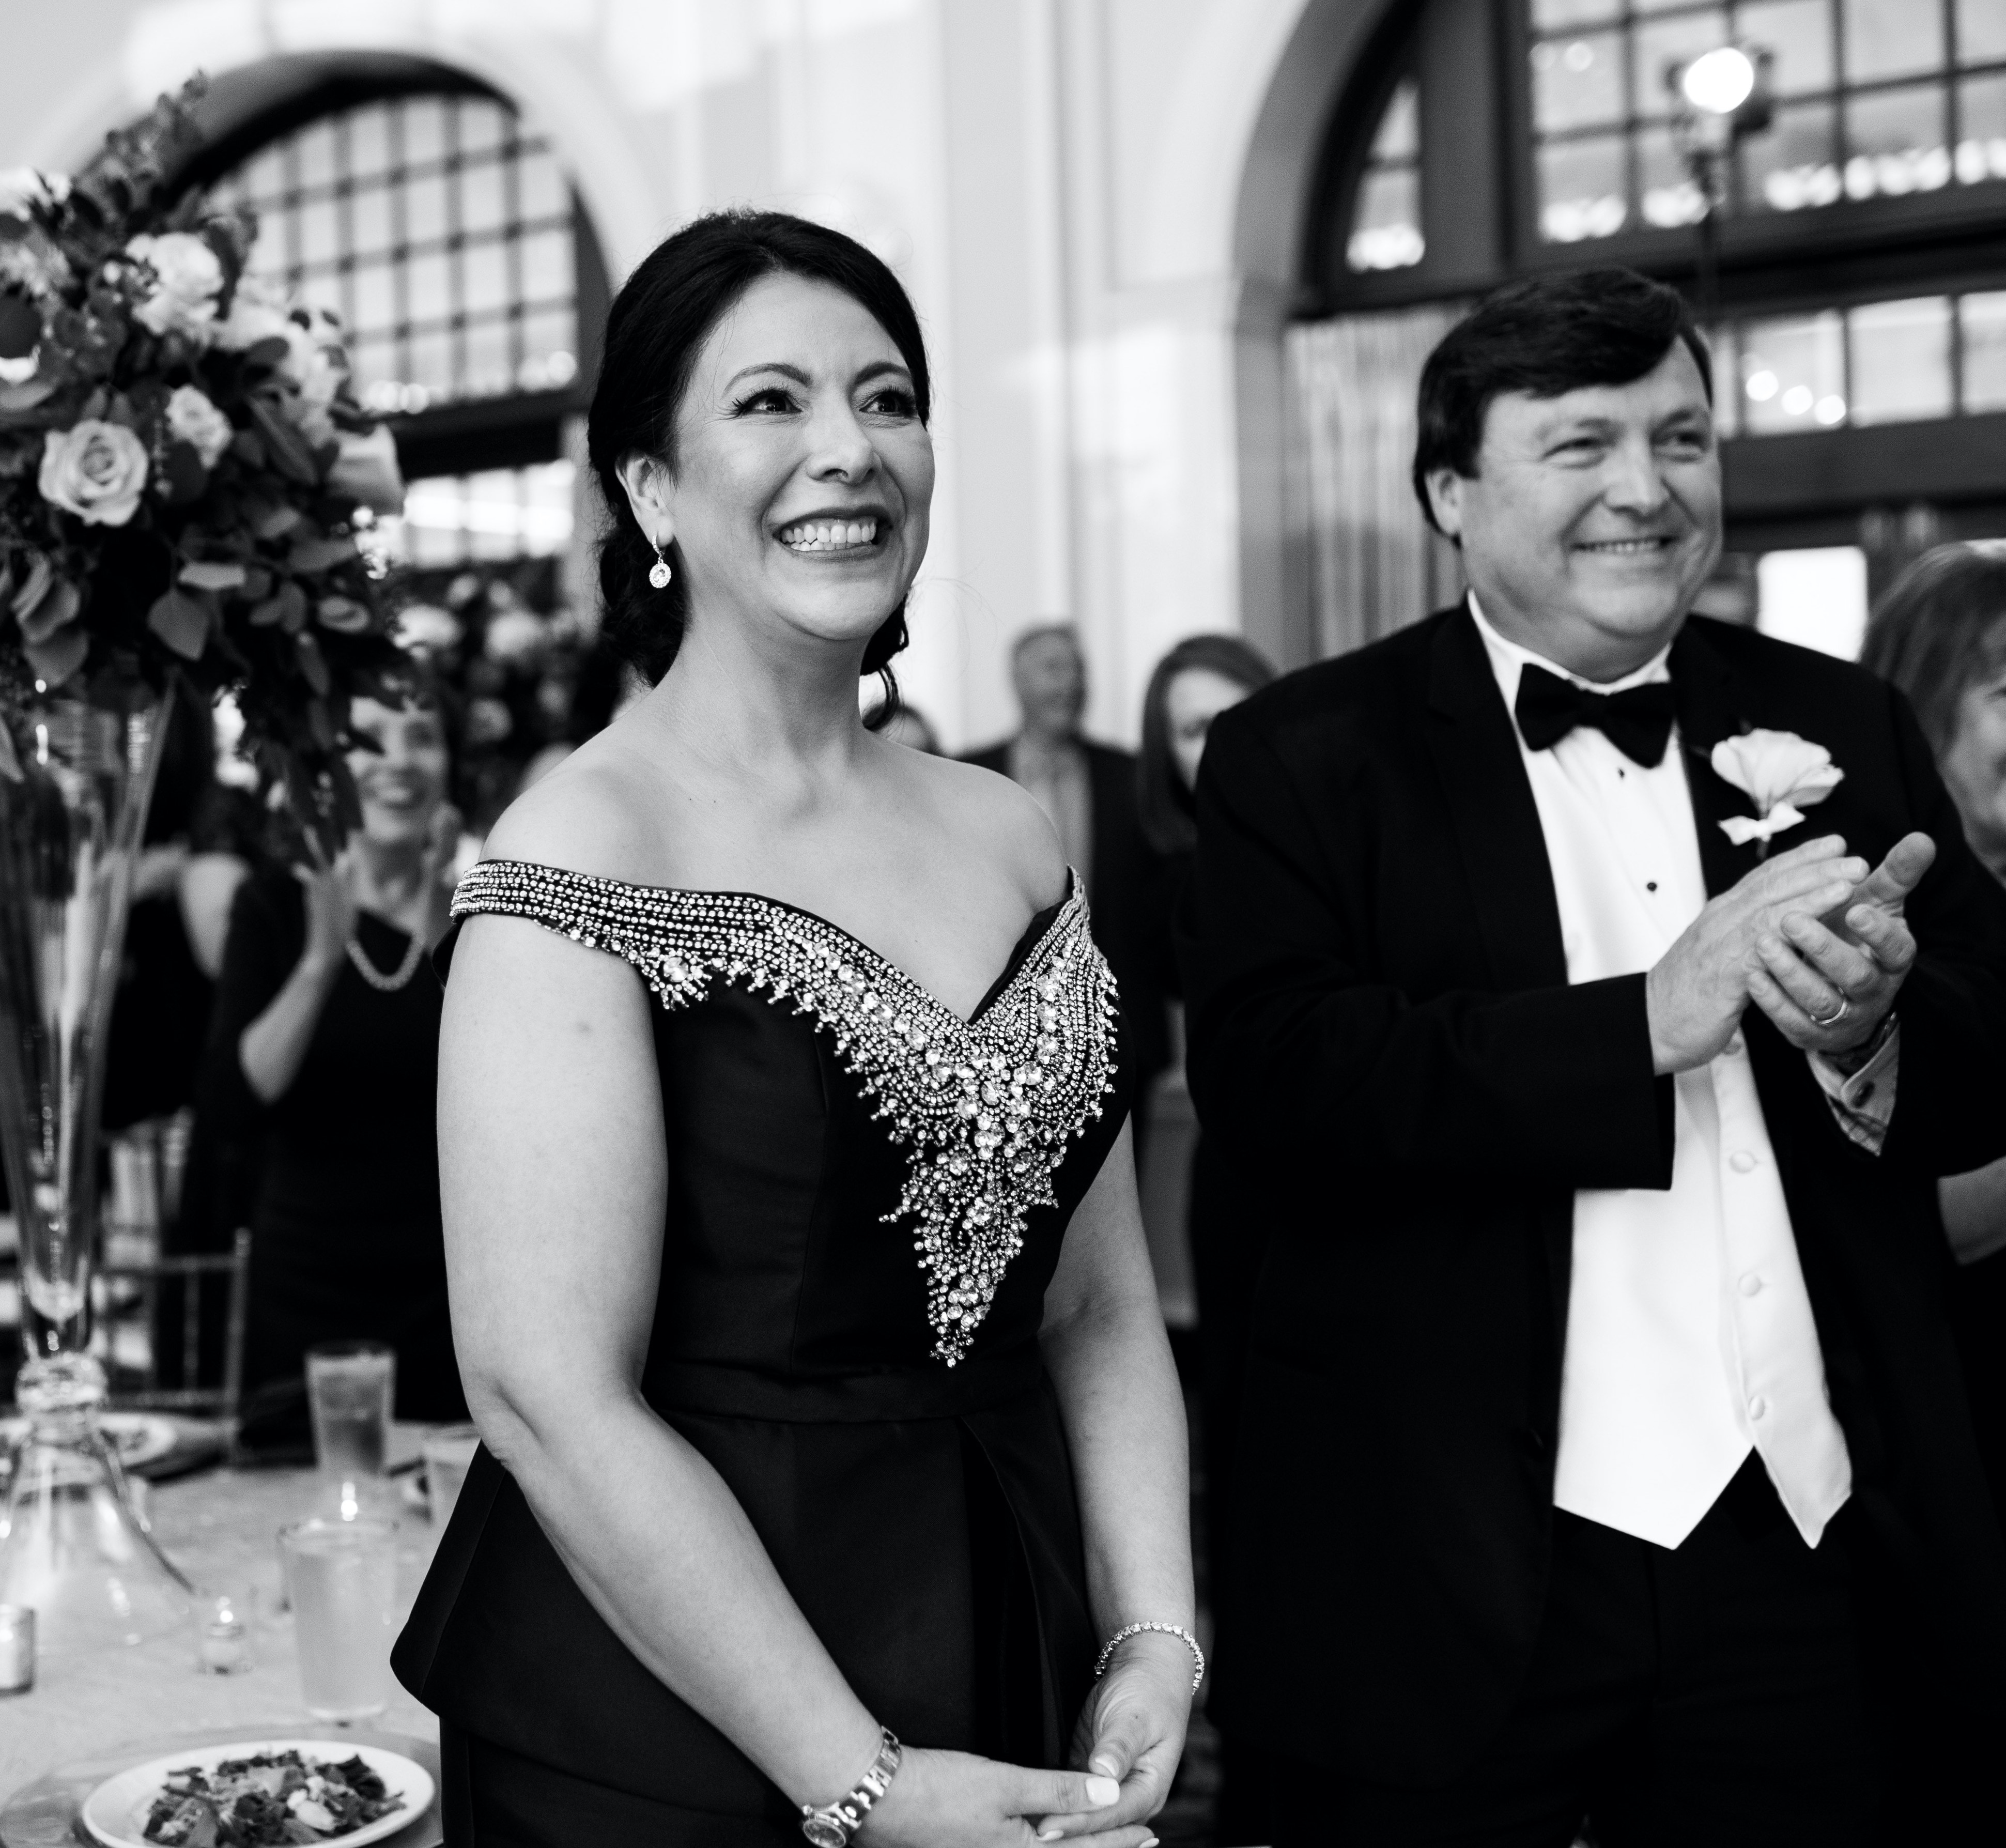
[(220, 1529)]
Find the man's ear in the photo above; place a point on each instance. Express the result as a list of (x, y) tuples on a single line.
[(1445, 488)]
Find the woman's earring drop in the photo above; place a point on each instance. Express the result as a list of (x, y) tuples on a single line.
[(659, 573)]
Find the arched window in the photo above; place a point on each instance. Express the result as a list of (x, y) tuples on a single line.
[(444, 233), (1860, 337)]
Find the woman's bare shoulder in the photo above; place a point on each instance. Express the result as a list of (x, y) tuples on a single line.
[(980, 805), (601, 810)]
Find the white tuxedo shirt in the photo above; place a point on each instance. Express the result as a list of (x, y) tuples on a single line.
[(1690, 1338)]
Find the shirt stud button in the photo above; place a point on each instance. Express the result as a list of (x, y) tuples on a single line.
[(1757, 1407), (1741, 1161), (1751, 1283)]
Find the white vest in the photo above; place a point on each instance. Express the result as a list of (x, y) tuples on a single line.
[(1690, 1336)]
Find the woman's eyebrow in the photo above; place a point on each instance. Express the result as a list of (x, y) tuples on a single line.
[(768, 365)]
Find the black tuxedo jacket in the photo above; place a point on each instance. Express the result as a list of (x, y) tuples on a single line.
[(1381, 1028), (1122, 884)]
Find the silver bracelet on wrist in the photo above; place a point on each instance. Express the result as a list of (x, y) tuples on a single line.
[(831, 1824), (1176, 1630)]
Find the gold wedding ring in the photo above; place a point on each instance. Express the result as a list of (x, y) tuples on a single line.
[(1832, 1019)]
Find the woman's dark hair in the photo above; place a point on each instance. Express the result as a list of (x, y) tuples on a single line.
[(1940, 625), (1168, 815), (658, 322), (1544, 336)]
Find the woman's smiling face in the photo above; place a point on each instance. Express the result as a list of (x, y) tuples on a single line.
[(802, 473)]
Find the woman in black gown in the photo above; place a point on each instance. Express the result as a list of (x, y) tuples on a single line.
[(797, 1276), (323, 1049)]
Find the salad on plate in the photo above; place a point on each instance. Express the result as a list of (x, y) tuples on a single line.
[(268, 1798)]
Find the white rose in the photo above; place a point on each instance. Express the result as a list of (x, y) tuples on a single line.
[(188, 277), (197, 422), (21, 188), (1781, 773), (96, 471), (254, 316), (425, 629)]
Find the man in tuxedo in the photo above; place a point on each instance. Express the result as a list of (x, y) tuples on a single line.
[(1088, 790), (1606, 1454)]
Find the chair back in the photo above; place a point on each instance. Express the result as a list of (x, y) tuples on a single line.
[(164, 1306)]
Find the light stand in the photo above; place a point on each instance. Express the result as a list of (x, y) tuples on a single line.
[(1718, 97)]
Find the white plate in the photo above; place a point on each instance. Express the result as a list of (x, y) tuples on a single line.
[(115, 1813)]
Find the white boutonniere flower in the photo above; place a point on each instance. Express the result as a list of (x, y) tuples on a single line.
[(1783, 773)]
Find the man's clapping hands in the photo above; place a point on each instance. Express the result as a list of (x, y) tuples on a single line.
[(1804, 933)]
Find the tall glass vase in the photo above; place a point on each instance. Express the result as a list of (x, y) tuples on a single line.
[(76, 776)]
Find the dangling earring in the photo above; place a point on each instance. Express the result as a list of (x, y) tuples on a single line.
[(659, 573)]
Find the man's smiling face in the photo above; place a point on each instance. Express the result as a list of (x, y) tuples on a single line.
[(1593, 518)]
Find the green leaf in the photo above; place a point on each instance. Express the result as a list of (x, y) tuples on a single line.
[(181, 622), (287, 606), (321, 554), (343, 614), (313, 663), (57, 659), (204, 575), (287, 448)]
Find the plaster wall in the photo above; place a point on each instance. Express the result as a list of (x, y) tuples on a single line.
[(1096, 204)]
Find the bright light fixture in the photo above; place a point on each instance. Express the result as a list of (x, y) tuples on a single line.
[(1762, 385), (1797, 400), (1830, 409), (1719, 82)]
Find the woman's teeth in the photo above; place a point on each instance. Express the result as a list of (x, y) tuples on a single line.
[(829, 535)]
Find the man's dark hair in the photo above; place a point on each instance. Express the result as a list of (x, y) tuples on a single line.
[(1544, 336)]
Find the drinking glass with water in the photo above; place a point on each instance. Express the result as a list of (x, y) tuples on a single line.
[(350, 1385), (343, 1578)]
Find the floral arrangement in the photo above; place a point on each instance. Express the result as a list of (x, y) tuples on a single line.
[(187, 481)]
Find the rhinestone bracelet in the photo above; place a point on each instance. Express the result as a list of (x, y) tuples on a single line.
[(1176, 1630)]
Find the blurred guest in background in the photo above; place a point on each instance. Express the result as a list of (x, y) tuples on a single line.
[(326, 1037), (199, 842), (1088, 791), (1939, 635), (1198, 680)]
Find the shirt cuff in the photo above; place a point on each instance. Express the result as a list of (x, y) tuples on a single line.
[(1863, 1102)]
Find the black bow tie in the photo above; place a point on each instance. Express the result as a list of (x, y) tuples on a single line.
[(1637, 721)]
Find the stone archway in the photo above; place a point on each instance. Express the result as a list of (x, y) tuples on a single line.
[(1276, 178), (262, 61)]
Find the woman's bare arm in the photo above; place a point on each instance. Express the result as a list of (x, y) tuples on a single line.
[(272, 1049), (554, 1177), (1110, 1359)]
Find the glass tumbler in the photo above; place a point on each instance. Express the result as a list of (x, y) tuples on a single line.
[(343, 1578), (350, 1385)]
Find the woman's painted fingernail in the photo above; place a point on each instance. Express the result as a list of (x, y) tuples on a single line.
[(1102, 1791), (1050, 1835)]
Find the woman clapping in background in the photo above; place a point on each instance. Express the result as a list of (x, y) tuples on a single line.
[(324, 1045)]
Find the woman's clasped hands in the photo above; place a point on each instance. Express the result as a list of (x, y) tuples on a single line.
[(1125, 1751)]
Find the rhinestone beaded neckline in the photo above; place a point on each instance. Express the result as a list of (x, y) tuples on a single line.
[(984, 1108)]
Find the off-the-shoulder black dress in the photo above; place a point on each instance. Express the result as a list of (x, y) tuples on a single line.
[(867, 1197)]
